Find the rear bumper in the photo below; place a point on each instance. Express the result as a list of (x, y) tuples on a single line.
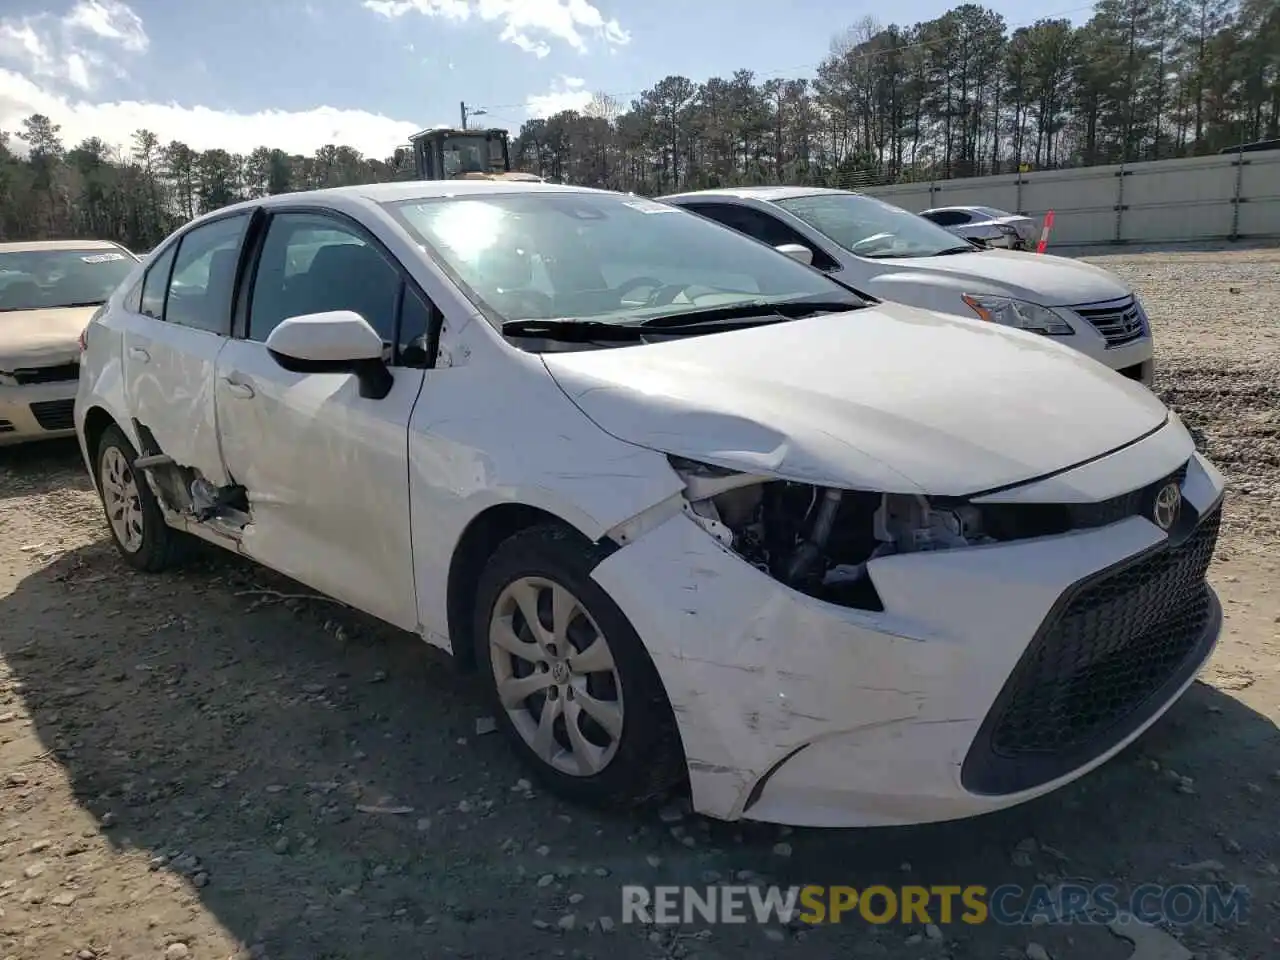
[(40, 411), (1008, 243)]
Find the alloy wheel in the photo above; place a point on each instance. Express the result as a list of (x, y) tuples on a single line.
[(120, 495), (556, 677)]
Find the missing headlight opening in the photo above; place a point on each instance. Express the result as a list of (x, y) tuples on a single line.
[(819, 539)]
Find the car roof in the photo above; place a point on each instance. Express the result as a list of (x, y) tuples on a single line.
[(40, 246), (975, 208), (394, 192), (411, 190), (769, 194)]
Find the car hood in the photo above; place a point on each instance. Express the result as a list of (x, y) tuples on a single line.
[(887, 398), (41, 338), (1040, 278)]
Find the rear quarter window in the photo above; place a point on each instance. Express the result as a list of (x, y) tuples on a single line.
[(133, 299)]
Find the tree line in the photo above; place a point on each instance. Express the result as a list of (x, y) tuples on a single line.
[(960, 95)]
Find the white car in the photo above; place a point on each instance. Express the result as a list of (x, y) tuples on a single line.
[(995, 228), (48, 291), (693, 510), (889, 253)]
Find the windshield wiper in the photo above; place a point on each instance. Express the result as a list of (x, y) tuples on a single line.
[(78, 303), (572, 331), (751, 310), (568, 330), (951, 251), (733, 316)]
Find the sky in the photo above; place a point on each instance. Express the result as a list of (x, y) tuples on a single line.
[(297, 74)]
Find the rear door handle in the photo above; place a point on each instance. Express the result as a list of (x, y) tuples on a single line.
[(239, 390), (139, 354)]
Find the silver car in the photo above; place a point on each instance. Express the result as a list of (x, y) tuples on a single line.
[(994, 228), (894, 255)]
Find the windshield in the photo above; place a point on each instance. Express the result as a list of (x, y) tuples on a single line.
[(871, 228), (604, 257), (39, 279), (465, 155)]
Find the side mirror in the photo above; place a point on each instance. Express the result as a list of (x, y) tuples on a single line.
[(796, 251), (339, 341)]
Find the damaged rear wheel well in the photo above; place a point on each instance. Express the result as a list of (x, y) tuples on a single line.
[(475, 547), (96, 422)]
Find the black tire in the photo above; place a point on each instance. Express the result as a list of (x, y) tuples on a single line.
[(162, 547), (649, 760)]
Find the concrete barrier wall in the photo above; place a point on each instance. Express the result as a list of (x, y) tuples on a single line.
[(1231, 197)]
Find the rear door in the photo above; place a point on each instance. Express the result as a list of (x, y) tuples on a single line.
[(171, 344), (326, 471)]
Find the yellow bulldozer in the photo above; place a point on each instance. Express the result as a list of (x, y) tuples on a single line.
[(449, 153)]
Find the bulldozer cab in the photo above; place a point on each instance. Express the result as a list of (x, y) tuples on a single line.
[(451, 154)]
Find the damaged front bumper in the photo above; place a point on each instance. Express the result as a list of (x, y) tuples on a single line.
[(946, 704)]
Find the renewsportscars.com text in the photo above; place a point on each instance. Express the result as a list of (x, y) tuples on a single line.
[(1007, 905)]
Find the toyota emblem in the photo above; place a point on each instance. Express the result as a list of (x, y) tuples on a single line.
[(1167, 507)]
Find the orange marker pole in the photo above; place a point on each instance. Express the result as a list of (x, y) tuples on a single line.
[(1044, 234)]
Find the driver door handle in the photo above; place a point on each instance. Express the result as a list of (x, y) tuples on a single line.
[(241, 391), (139, 354)]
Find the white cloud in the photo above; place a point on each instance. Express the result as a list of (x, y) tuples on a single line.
[(539, 48), (54, 48), (449, 9), (110, 20), (199, 127), (78, 71), (19, 41), (523, 21), (566, 93)]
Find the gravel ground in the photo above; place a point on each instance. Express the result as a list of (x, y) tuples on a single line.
[(191, 767)]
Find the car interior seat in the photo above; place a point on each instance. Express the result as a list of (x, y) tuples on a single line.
[(351, 276)]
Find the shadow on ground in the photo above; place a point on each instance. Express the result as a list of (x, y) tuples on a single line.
[(263, 754)]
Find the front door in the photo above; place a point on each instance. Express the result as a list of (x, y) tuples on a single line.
[(171, 344), (326, 472)]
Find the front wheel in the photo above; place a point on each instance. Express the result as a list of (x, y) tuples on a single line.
[(572, 684), (137, 525)]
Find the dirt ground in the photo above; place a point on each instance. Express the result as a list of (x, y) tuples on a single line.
[(189, 768)]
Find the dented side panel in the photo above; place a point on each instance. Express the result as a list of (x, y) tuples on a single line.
[(169, 376), (325, 472), (501, 431)]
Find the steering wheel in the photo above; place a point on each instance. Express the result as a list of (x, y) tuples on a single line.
[(875, 238), (662, 295), (635, 283)]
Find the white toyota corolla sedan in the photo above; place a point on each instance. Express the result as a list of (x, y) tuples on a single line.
[(694, 510)]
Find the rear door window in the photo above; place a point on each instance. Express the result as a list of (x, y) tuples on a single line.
[(156, 284), (204, 275)]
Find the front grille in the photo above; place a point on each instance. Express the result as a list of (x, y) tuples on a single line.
[(54, 414), (1022, 521), (1119, 322), (55, 374), (6, 427), (1102, 662)]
